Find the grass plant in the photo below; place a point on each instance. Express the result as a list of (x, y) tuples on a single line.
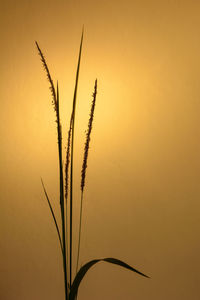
[(65, 233)]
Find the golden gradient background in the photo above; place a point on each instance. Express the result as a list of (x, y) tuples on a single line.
[(142, 194)]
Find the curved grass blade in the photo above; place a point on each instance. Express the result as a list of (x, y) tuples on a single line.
[(124, 265), (83, 270), (53, 215)]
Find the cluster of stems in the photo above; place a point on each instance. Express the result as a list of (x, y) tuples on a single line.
[(65, 235), (66, 182)]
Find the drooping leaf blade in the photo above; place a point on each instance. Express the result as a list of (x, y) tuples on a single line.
[(53, 215), (124, 265), (83, 270)]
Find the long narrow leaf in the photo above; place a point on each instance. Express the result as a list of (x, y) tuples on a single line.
[(83, 270), (72, 124), (123, 264), (53, 215)]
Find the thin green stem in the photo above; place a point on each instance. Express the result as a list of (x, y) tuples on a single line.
[(84, 166), (59, 132), (62, 194), (79, 236), (72, 156)]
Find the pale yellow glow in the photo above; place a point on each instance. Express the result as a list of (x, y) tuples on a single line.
[(142, 186)]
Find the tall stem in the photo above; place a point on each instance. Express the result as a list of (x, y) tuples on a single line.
[(84, 166), (72, 158), (80, 226), (62, 194)]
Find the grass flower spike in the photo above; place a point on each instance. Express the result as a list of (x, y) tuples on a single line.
[(87, 143)]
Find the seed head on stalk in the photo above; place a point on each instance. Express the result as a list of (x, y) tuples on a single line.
[(87, 143), (52, 88)]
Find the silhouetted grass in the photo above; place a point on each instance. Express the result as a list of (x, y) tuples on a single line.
[(65, 239)]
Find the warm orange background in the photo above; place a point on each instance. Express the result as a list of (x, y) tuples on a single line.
[(142, 194)]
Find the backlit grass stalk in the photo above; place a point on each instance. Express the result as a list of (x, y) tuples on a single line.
[(72, 285), (84, 166), (62, 203), (67, 164), (72, 126), (55, 103)]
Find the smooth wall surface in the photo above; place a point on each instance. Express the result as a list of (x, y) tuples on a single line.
[(142, 187)]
